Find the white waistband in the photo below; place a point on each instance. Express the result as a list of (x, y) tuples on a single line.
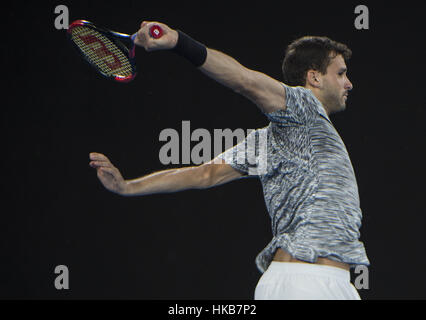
[(309, 269)]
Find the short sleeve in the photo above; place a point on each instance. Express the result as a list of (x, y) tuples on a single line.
[(250, 155), (301, 106)]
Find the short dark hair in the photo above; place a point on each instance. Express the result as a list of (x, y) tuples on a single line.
[(310, 52)]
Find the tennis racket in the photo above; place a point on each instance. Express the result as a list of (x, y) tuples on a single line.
[(105, 51)]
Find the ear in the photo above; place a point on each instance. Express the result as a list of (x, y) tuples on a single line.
[(313, 78)]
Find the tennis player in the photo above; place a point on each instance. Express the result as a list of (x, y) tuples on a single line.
[(308, 180)]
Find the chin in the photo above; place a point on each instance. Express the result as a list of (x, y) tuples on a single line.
[(342, 106), (338, 109)]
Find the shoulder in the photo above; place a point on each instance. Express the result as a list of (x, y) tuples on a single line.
[(300, 106)]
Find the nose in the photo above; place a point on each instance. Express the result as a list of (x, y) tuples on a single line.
[(348, 85)]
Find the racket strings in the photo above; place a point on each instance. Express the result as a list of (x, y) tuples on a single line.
[(101, 52)]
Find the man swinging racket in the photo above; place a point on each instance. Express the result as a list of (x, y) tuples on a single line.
[(309, 183)]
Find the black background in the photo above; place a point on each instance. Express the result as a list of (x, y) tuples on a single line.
[(193, 244)]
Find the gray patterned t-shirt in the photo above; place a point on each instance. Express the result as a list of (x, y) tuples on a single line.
[(308, 182)]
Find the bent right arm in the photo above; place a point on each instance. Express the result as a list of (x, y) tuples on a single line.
[(204, 176)]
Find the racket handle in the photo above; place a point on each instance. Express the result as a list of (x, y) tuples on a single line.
[(156, 31)]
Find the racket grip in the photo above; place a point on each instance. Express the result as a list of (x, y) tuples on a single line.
[(156, 31)]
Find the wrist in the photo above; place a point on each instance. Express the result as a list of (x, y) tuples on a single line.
[(175, 39), (194, 51), (125, 188)]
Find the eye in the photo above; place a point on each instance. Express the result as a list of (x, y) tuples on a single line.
[(343, 72)]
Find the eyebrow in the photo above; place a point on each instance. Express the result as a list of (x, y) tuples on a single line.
[(341, 70)]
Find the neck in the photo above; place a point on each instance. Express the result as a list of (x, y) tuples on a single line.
[(318, 95)]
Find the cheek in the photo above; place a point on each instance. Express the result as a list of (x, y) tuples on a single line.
[(330, 82), (331, 87), (337, 85)]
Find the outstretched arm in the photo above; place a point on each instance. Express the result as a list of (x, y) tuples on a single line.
[(204, 176), (267, 93)]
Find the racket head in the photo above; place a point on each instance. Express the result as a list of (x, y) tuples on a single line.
[(103, 51)]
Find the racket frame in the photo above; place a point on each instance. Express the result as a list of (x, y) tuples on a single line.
[(114, 37)]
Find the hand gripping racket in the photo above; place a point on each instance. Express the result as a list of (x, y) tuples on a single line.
[(104, 49)]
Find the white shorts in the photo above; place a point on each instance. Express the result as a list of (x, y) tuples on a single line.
[(305, 281)]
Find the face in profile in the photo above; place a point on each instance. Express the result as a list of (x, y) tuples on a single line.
[(335, 85)]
